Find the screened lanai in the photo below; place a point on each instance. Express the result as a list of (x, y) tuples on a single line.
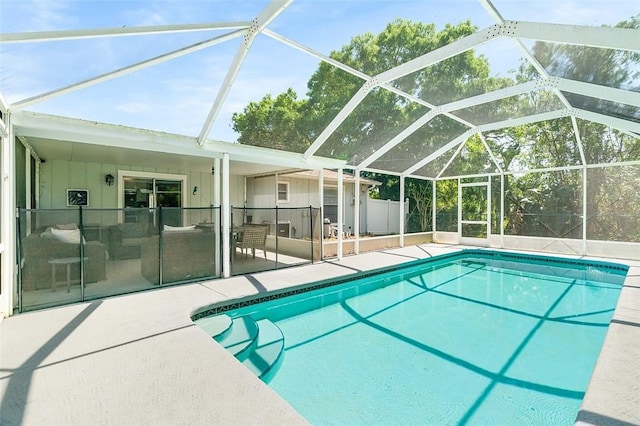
[(504, 124)]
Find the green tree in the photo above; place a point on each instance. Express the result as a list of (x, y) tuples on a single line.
[(287, 122), (420, 197), (550, 204), (274, 123)]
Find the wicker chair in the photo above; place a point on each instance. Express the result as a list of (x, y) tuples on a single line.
[(253, 237)]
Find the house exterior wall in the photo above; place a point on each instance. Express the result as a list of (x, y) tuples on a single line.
[(21, 175), (261, 192), (56, 176), (236, 190), (303, 193)]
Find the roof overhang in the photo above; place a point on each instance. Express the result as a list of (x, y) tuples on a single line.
[(58, 129)]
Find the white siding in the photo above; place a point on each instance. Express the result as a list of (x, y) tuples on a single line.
[(303, 193), (58, 175)]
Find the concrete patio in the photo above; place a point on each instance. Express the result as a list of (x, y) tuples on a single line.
[(138, 359)]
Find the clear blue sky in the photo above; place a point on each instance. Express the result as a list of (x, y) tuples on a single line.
[(176, 96)]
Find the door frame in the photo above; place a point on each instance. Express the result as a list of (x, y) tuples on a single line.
[(484, 242), (151, 175)]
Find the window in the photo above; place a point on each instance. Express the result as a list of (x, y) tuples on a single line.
[(283, 192)]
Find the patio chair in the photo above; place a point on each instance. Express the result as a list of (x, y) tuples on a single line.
[(253, 237)]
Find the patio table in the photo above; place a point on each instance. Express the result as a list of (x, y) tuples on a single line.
[(67, 261)]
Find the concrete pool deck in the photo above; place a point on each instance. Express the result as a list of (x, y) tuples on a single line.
[(138, 359)]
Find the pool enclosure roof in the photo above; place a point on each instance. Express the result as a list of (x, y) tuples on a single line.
[(81, 79)]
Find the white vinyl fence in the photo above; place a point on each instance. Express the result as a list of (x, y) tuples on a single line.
[(383, 216)]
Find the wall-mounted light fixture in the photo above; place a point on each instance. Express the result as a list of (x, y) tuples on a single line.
[(109, 179), (195, 190)]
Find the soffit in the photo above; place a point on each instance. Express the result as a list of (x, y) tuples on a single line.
[(48, 149)]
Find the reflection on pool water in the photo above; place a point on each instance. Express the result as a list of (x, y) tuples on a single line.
[(478, 337)]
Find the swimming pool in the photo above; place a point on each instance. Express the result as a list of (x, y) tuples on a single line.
[(478, 337)]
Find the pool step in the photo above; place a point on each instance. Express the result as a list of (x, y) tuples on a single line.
[(266, 357), (216, 326), (241, 338), (259, 345)]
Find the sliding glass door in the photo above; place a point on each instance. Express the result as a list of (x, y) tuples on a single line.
[(140, 192)]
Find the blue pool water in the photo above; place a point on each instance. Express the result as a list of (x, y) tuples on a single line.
[(478, 338)]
